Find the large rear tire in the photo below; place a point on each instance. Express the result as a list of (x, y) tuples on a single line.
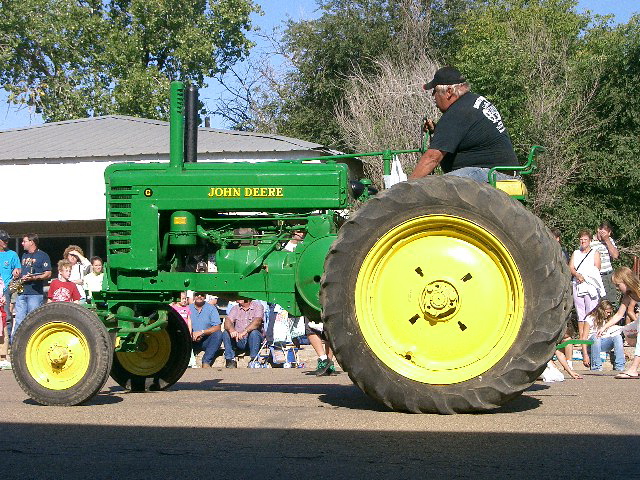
[(61, 354), (443, 295), (163, 361)]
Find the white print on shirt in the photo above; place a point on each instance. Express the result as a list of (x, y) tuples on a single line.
[(490, 112), (62, 294)]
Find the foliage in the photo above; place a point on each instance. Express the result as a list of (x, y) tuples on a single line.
[(77, 58), (558, 78), (386, 110), (348, 39)]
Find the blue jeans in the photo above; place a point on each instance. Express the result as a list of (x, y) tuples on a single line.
[(253, 341), (479, 174), (210, 345), (25, 304), (607, 344)]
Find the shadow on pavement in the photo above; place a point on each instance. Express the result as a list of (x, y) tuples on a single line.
[(108, 452)]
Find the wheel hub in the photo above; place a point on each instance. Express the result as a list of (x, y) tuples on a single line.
[(58, 356), (439, 300)]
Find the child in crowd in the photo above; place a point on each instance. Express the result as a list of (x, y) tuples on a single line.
[(92, 281), (182, 307), (79, 267), (608, 340), (629, 285), (62, 289)]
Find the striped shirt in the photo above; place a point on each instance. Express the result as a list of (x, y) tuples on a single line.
[(605, 259)]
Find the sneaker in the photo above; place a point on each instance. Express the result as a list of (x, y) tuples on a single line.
[(323, 367), (5, 365), (231, 364)]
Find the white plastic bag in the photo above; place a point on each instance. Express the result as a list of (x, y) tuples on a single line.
[(397, 174), (552, 374), (282, 327)]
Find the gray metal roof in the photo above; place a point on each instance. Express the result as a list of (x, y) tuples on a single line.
[(117, 136)]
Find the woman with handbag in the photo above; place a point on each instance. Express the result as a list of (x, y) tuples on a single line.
[(629, 285), (587, 282)]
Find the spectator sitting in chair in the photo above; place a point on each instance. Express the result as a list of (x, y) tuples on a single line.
[(243, 330), (206, 327)]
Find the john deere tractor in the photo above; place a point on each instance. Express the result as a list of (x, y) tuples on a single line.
[(438, 295)]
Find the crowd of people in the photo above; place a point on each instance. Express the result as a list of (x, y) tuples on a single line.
[(598, 292), (23, 282)]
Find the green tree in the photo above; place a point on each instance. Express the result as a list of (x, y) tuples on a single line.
[(569, 82), (348, 39), (77, 58)]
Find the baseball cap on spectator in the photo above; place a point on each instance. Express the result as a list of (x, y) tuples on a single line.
[(4, 236), (445, 76)]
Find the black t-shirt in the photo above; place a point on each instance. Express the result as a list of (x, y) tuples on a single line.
[(472, 134), (36, 262)]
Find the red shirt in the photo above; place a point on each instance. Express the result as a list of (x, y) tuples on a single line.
[(61, 291)]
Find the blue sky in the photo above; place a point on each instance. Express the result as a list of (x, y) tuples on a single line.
[(276, 11)]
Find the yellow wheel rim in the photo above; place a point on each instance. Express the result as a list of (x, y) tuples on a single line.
[(57, 355), (155, 355), (439, 299)]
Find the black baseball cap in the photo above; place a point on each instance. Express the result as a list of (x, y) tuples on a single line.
[(445, 76), (4, 236)]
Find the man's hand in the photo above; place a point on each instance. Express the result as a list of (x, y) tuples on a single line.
[(233, 334), (242, 334), (428, 126), (197, 336), (28, 277)]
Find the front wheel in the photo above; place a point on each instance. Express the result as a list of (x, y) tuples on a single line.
[(61, 354), (444, 295), (162, 360)]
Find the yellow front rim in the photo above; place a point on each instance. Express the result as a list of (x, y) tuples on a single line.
[(439, 299), (156, 349), (57, 355)]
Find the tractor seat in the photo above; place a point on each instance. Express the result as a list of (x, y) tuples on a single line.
[(514, 188)]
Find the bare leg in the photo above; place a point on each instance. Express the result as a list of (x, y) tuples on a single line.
[(633, 368), (317, 344), (563, 361)]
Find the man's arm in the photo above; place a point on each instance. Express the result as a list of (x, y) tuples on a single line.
[(427, 164), (35, 277)]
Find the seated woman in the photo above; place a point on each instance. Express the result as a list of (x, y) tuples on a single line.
[(629, 285), (609, 340)]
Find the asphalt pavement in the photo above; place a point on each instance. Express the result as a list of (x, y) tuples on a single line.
[(287, 423)]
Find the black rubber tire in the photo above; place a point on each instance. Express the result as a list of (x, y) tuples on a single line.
[(99, 351), (172, 370), (544, 274)]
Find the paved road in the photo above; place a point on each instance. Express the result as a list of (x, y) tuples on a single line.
[(276, 423)]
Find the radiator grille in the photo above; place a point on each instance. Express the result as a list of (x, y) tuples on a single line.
[(119, 224)]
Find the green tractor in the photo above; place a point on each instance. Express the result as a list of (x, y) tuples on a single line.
[(438, 295)]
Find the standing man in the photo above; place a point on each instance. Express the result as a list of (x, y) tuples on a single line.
[(206, 334), (606, 247), (242, 330), (470, 137), (9, 269), (36, 269)]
